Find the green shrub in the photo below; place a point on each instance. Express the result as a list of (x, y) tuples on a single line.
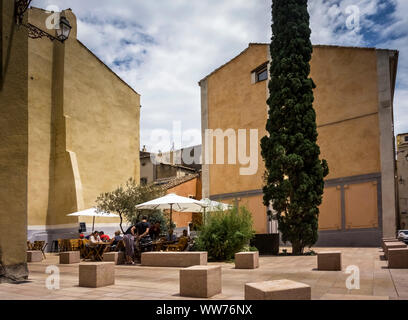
[(225, 233)]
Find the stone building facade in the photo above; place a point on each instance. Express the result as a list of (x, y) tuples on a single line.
[(13, 145), (354, 107), (81, 134), (402, 178)]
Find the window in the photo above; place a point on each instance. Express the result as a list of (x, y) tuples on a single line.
[(262, 75), (406, 138), (143, 181)]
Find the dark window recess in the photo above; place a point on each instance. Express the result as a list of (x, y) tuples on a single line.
[(143, 181), (406, 138), (262, 75)]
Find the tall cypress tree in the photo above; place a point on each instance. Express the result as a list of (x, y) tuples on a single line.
[(294, 177)]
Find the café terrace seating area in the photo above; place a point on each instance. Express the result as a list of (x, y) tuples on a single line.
[(95, 253), (250, 276)]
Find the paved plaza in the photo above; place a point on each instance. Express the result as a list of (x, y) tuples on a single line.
[(155, 283)]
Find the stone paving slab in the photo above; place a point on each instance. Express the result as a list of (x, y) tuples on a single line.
[(141, 283)]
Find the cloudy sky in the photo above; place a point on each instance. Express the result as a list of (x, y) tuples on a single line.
[(162, 48)]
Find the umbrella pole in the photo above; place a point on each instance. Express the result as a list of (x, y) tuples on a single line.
[(204, 217), (171, 215), (93, 223)]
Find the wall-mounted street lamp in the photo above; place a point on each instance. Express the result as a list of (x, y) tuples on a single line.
[(34, 32)]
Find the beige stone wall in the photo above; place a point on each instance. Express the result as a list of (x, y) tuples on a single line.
[(233, 102), (346, 80), (346, 104), (13, 145), (402, 173), (84, 129)]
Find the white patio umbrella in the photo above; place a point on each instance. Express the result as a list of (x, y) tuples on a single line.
[(92, 213), (171, 202), (209, 206)]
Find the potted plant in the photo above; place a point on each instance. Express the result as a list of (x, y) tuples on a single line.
[(267, 243)]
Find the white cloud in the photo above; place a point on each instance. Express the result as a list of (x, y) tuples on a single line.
[(162, 48)]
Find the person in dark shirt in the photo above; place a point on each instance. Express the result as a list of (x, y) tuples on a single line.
[(129, 239), (143, 228), (143, 236)]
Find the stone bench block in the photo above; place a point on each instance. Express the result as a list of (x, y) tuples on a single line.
[(329, 296), (174, 259), (329, 261), (398, 258), (96, 274), (392, 245), (34, 256), (200, 281), (247, 260), (116, 257), (278, 290), (384, 240), (69, 257)]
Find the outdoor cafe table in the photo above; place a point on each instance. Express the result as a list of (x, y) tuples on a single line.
[(98, 250), (161, 245)]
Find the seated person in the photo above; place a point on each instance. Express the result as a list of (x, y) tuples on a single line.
[(154, 231), (185, 234), (81, 236), (171, 237), (104, 237), (94, 239), (115, 240)]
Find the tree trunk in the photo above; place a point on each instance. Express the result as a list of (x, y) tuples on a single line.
[(120, 224), (297, 248)]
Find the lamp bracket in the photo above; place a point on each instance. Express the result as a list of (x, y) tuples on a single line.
[(21, 7), (36, 33)]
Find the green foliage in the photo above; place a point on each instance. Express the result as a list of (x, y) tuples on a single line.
[(225, 233), (123, 201), (294, 173)]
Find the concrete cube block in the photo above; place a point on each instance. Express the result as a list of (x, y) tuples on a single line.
[(247, 260), (329, 261), (398, 258), (200, 281), (97, 274), (34, 256), (174, 259), (278, 290), (392, 245), (353, 297), (384, 240), (69, 257), (115, 257)]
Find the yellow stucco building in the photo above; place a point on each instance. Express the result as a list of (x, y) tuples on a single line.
[(354, 106), (80, 134), (13, 145), (83, 132)]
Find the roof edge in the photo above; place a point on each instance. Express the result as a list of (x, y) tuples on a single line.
[(107, 67), (314, 46)]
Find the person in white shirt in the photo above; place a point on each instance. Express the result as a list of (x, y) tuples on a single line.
[(94, 239)]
